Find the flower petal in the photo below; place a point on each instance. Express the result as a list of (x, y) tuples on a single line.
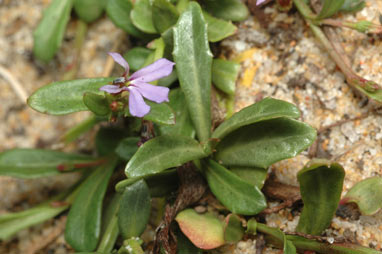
[(120, 60), (157, 94), (159, 69), (111, 89), (137, 106), (260, 2)]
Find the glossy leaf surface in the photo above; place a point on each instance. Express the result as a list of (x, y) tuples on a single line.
[(49, 33), (165, 15), (141, 16), (367, 194), (233, 10), (34, 163), (89, 10), (193, 64), (264, 143), (233, 229), (97, 104), (160, 113), (136, 57), (83, 226), (320, 186), (65, 97), (224, 75), (254, 176), (218, 29), (134, 210), (119, 12), (265, 109), (234, 193), (161, 153), (183, 125), (329, 8), (205, 231)]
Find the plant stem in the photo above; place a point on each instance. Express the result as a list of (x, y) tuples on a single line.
[(304, 9)]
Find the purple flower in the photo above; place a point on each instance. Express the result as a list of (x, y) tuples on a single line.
[(260, 2), (137, 84)]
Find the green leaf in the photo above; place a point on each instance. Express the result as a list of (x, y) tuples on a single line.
[(233, 229), (10, 224), (234, 193), (165, 15), (224, 75), (127, 147), (141, 16), (97, 104), (83, 226), (65, 97), (49, 33), (265, 109), (320, 186), (233, 10), (163, 152), (251, 226), (352, 5), (107, 139), (185, 246), (254, 176), (160, 113), (288, 247), (264, 143), (134, 210), (136, 57), (330, 8), (34, 163), (89, 10), (119, 12), (367, 194), (205, 231), (193, 60), (183, 125), (218, 29)]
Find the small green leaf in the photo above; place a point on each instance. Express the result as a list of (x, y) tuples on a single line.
[(34, 163), (233, 10), (193, 60), (265, 109), (165, 15), (163, 152), (205, 231), (254, 176), (183, 125), (160, 113), (141, 16), (329, 8), (136, 57), (233, 229), (119, 12), (97, 104), (288, 246), (89, 10), (234, 193), (218, 29), (127, 147), (83, 226), (320, 186), (224, 75), (134, 210), (264, 143), (65, 97), (251, 226), (49, 33), (353, 5), (367, 194), (107, 139)]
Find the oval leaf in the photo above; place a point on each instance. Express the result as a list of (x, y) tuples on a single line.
[(134, 210), (34, 163), (367, 194), (136, 57), (83, 226), (234, 193), (320, 186), (224, 75), (141, 16), (233, 10), (264, 143), (330, 8), (233, 229), (165, 15), (218, 29), (254, 176), (163, 152), (193, 60), (127, 147), (205, 231), (97, 104), (65, 97), (89, 10), (159, 113), (265, 109), (49, 33)]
